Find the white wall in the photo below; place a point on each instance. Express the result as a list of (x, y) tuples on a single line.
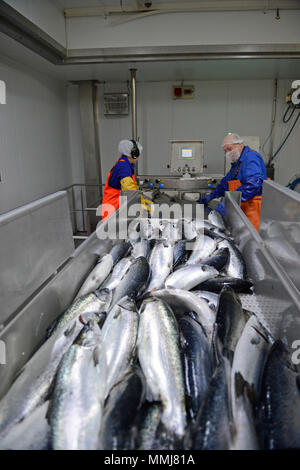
[(45, 15), (243, 106), (180, 29), (34, 137)]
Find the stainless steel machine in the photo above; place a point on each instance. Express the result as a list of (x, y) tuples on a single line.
[(24, 321)]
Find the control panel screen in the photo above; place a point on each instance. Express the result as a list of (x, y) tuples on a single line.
[(186, 153)]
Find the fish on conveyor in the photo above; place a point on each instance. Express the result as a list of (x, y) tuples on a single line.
[(179, 252), (215, 218), (218, 259), (241, 286), (141, 247), (33, 433), (216, 234), (169, 231), (161, 262), (96, 276), (149, 228), (190, 276), (75, 408), (211, 298), (119, 251), (235, 266), (86, 305), (249, 359), (134, 230), (119, 335), (278, 423), (203, 247), (118, 273), (187, 228), (159, 357), (134, 280), (244, 433), (197, 366), (182, 301), (147, 425), (230, 322), (31, 387), (212, 428), (123, 404)]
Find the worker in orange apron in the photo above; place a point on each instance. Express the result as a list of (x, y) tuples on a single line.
[(246, 175), (121, 178)]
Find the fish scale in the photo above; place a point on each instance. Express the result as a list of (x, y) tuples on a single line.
[(159, 356)]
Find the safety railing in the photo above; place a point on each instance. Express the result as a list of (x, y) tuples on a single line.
[(82, 215)]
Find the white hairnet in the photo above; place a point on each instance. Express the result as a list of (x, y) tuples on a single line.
[(232, 139), (125, 147)]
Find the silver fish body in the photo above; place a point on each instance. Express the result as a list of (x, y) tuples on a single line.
[(119, 251), (202, 249), (190, 276), (134, 280), (97, 276), (31, 387), (141, 248), (211, 297), (230, 322), (118, 273), (278, 418), (195, 350), (119, 335), (182, 301), (212, 429), (159, 356), (33, 433), (244, 434), (123, 404), (235, 266), (161, 262), (75, 410), (249, 359), (188, 228), (215, 218), (87, 304), (148, 426), (169, 231)]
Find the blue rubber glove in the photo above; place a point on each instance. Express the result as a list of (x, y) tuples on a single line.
[(221, 208), (205, 199)]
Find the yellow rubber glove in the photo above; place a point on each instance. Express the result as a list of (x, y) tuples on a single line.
[(146, 204), (127, 184)]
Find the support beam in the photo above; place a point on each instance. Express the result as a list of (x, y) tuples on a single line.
[(16, 26), (90, 150)]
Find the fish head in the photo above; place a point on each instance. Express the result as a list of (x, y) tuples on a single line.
[(127, 303), (105, 298), (89, 336)]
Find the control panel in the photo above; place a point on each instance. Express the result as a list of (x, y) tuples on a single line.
[(186, 157)]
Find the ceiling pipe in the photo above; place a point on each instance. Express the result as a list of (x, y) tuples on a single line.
[(133, 108), (201, 6)]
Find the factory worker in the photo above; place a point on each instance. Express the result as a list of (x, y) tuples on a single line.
[(121, 177), (247, 173)]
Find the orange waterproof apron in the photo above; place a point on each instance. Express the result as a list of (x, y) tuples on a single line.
[(252, 207), (111, 196)]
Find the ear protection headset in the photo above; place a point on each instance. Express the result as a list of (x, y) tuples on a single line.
[(135, 153)]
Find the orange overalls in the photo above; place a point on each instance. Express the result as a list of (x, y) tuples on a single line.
[(111, 196), (252, 207)]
